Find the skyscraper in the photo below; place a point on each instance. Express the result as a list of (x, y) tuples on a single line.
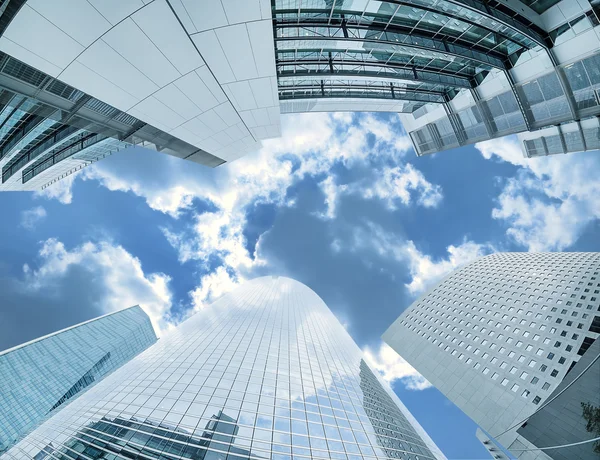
[(560, 421), (500, 334), (207, 80), (44, 375), (266, 371)]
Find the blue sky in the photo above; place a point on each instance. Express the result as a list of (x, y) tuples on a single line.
[(340, 203)]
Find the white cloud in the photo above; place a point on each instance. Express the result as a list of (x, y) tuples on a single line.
[(61, 190), (424, 270), (31, 217), (402, 184), (392, 367), (332, 192), (171, 200), (311, 145), (113, 268), (551, 201), (505, 149), (392, 185), (213, 286)]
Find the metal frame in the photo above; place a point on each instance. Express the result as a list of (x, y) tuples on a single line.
[(491, 38), (397, 66), (429, 42), (517, 23), (350, 91)]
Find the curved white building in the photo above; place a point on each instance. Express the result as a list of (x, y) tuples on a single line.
[(266, 371)]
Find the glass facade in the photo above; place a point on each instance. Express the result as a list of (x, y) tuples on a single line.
[(537, 103), (417, 51), (41, 376), (265, 372)]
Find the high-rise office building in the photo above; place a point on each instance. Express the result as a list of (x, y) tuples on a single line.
[(500, 334), (43, 376), (560, 421), (266, 371), (207, 80)]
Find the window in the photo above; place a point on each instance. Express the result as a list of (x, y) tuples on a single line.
[(543, 368), (532, 363), (513, 370), (524, 375), (495, 376), (545, 386), (540, 352), (561, 360), (550, 356), (535, 380), (554, 373), (525, 393), (536, 400), (504, 382), (521, 358), (514, 388), (503, 365)]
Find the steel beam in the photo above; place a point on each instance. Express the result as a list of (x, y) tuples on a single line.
[(390, 92), (391, 35), (526, 28), (411, 74), (306, 62)]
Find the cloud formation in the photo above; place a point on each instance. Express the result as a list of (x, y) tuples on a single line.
[(31, 217), (111, 269), (551, 200), (392, 185), (392, 367), (424, 270), (62, 191), (311, 145)]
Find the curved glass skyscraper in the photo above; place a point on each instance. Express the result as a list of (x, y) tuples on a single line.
[(42, 376), (266, 371)]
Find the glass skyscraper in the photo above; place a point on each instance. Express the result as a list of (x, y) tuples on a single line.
[(500, 334), (265, 372), (44, 375)]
